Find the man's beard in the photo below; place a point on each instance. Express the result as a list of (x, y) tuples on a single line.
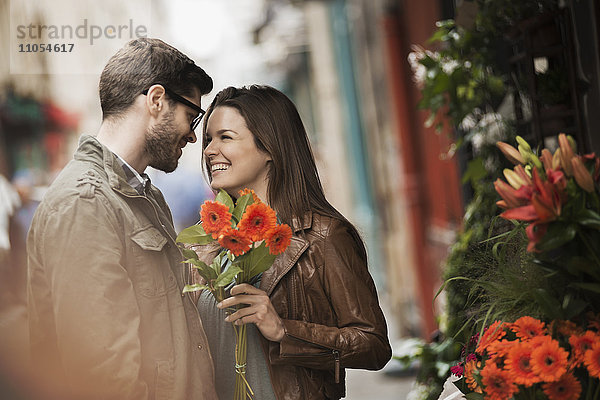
[(162, 144)]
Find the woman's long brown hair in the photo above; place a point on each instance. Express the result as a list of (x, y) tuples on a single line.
[(294, 185)]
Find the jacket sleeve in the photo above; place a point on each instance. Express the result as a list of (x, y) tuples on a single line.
[(360, 338), (95, 311)]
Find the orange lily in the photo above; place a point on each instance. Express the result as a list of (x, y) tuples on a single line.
[(535, 232), (547, 198), (513, 178), (546, 158), (582, 175), (566, 154), (510, 153), (512, 198), (556, 159)]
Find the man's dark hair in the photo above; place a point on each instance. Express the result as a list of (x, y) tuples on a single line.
[(142, 63)]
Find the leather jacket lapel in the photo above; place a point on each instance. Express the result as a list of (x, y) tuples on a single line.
[(283, 263)]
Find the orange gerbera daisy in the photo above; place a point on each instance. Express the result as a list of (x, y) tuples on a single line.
[(215, 217), (278, 238), (566, 388), (592, 360), (235, 241), (248, 191), (593, 320), (257, 220), (518, 364), (493, 332), (498, 383), (582, 343), (472, 367), (527, 327), (548, 359), (565, 328)]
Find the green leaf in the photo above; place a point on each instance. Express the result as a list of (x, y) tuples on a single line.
[(204, 270), (194, 235), (190, 254), (225, 198), (573, 306), (240, 206), (589, 218), (428, 62), (256, 260), (592, 287), (549, 303), (194, 288), (227, 276), (217, 263), (556, 236)]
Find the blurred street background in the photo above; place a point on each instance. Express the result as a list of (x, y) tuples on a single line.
[(345, 64)]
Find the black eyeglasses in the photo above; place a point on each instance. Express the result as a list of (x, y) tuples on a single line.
[(186, 102)]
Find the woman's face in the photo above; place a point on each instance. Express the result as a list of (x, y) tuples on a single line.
[(234, 160)]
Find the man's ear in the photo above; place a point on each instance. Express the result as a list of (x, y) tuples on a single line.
[(155, 99)]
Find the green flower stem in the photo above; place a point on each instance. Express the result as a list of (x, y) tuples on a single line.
[(597, 391), (589, 387)]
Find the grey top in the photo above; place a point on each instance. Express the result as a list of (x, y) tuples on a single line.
[(222, 339)]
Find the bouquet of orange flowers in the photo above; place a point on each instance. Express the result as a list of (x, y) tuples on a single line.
[(251, 239), (528, 359)]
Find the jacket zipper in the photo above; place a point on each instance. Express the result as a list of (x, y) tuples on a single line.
[(334, 352)]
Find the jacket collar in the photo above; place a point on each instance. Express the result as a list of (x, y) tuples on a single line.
[(91, 148), (285, 261), (298, 226)]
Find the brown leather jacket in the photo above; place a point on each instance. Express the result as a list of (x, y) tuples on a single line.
[(322, 289)]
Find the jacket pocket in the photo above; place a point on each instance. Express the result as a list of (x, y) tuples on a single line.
[(164, 380), (149, 271), (149, 238)]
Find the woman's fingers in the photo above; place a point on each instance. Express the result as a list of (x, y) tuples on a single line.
[(260, 311), (244, 288)]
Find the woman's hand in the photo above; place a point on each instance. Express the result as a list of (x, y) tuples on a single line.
[(260, 311)]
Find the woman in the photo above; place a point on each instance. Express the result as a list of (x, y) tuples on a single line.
[(315, 311)]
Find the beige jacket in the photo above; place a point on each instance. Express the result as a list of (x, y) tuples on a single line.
[(106, 313)]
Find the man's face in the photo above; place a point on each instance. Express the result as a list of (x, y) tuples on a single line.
[(166, 139)]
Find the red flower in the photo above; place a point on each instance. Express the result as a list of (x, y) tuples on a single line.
[(518, 364), (235, 241), (215, 217), (592, 360), (512, 198), (472, 368), (527, 327), (548, 359), (580, 344), (566, 388), (278, 238), (492, 333), (535, 232), (457, 370), (498, 383), (257, 220), (248, 191), (547, 198)]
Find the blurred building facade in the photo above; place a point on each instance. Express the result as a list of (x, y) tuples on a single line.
[(380, 166)]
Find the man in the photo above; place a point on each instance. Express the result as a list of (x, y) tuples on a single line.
[(106, 313)]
